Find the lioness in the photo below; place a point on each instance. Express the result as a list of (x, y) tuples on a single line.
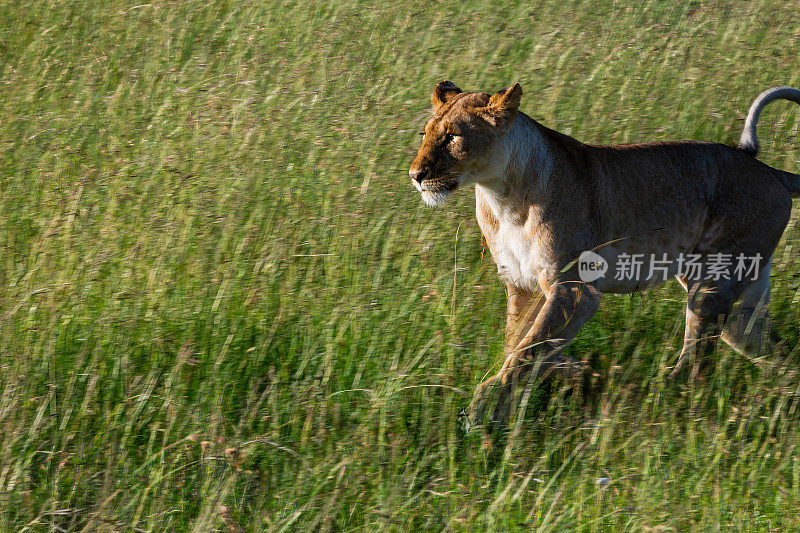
[(546, 201)]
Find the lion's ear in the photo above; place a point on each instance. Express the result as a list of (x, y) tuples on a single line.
[(507, 99), (504, 105), (444, 91)]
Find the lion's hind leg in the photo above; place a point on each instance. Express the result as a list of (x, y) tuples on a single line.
[(735, 311), (748, 329), (707, 308)]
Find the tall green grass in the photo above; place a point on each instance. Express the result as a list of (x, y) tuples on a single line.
[(223, 306)]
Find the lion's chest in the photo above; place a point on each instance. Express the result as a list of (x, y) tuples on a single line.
[(518, 256)]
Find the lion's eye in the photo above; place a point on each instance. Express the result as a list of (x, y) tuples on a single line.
[(448, 137)]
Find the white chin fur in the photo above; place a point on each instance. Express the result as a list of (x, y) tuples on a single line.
[(435, 199)]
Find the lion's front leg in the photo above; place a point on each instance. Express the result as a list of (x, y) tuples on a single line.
[(522, 308), (565, 310)]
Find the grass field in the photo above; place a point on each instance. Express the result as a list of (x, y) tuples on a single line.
[(224, 307)]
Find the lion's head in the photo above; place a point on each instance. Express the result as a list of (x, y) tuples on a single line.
[(460, 141)]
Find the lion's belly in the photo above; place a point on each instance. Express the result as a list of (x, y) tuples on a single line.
[(632, 270), (647, 261)]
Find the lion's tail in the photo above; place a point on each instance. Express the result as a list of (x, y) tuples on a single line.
[(749, 141)]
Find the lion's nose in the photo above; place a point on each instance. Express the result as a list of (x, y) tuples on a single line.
[(418, 175)]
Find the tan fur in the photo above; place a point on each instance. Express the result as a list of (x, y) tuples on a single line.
[(543, 198)]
